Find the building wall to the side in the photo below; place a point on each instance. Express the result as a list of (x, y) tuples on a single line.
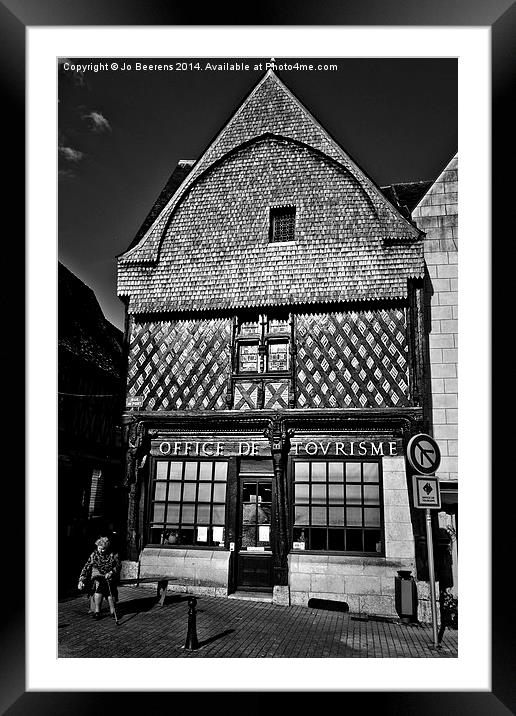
[(437, 216)]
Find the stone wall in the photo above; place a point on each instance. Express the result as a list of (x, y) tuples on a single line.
[(203, 571), (437, 216), (366, 584)]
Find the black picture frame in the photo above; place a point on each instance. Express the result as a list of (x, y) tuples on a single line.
[(500, 15)]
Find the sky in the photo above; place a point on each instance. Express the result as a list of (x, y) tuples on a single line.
[(122, 131)]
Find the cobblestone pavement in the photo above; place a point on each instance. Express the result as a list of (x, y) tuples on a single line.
[(232, 628)]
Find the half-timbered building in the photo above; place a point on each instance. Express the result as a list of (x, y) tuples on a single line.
[(275, 369)]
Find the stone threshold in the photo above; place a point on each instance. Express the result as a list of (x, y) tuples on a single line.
[(252, 596)]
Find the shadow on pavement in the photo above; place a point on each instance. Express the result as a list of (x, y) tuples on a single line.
[(214, 638)]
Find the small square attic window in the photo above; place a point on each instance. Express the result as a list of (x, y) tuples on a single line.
[(282, 224)]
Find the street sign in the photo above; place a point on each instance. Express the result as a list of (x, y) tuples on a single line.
[(423, 454), (134, 401), (427, 494)]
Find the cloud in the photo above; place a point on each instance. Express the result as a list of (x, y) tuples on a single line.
[(75, 76), (97, 122), (65, 174), (70, 154)]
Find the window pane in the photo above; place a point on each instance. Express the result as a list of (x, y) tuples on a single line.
[(283, 224), (353, 472), (219, 514), (161, 470), (319, 494), (248, 357), (301, 516), (319, 471), (299, 534), (301, 493), (336, 539), (354, 516), (160, 491), (158, 514), (264, 513), (249, 514), (186, 535), (221, 470), (204, 494), (278, 356), (190, 471), (372, 541), (335, 493), (354, 540), (353, 494), (336, 515), (249, 492), (371, 472), (218, 535), (264, 492), (171, 536), (174, 492), (219, 492), (301, 470), (264, 533), (248, 536), (188, 514), (173, 513), (203, 514), (318, 515), (205, 470), (336, 471), (372, 516), (371, 495), (317, 539), (156, 535), (176, 469), (189, 490)]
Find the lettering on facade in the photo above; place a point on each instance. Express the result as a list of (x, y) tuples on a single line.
[(382, 448)]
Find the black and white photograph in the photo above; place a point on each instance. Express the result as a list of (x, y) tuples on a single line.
[(257, 357), (247, 324)]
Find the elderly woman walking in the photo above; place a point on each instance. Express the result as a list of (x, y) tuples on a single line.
[(99, 577)]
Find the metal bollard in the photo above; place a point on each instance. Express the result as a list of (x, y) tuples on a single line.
[(191, 636)]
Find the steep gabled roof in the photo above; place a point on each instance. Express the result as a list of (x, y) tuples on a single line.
[(270, 109), (366, 250)]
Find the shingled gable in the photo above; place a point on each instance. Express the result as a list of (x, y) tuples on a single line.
[(188, 259)]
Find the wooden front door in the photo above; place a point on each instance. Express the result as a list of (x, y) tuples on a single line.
[(254, 558)]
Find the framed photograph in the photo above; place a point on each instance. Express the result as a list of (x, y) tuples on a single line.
[(80, 81)]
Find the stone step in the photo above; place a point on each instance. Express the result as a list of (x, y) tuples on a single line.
[(252, 596)]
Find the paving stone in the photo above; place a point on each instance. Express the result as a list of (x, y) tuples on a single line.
[(230, 628)]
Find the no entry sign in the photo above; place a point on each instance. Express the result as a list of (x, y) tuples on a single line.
[(423, 454)]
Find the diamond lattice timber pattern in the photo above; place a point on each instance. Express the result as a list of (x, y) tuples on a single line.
[(344, 360)]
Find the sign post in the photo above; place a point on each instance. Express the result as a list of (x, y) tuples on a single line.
[(425, 457)]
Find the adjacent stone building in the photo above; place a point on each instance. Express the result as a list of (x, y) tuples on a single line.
[(277, 368), (436, 214)]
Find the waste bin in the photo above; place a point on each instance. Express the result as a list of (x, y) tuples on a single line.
[(405, 596)]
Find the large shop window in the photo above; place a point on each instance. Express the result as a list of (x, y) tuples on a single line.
[(337, 506), (188, 502)]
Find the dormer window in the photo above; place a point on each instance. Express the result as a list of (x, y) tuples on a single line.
[(282, 224)]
